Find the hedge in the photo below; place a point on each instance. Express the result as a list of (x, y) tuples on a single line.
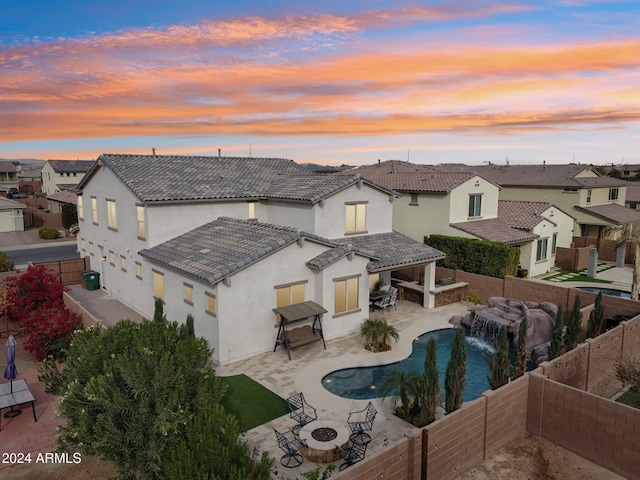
[(491, 259), (48, 233)]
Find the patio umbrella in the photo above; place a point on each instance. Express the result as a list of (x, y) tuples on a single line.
[(11, 372)]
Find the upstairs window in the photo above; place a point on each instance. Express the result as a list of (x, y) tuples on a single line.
[(252, 211), (356, 217), (613, 193), (554, 243), (94, 209), (80, 208), (112, 223), (414, 199), (211, 303), (475, 205), (188, 293), (589, 196), (142, 231)]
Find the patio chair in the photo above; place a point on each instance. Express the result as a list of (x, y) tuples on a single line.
[(392, 300), (383, 302), (301, 412), (361, 422), (290, 444), (352, 454)]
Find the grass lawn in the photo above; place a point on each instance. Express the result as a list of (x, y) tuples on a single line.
[(252, 403), (630, 398), (583, 275)]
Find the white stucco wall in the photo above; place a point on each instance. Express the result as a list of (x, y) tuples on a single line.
[(459, 200), (8, 221), (430, 215), (330, 219)]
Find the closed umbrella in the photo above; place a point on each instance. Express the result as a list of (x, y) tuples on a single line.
[(11, 372)]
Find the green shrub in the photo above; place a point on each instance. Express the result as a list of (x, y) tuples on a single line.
[(6, 265), (491, 259), (48, 233)]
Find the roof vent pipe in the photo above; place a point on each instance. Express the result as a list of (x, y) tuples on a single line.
[(219, 152), (153, 152)]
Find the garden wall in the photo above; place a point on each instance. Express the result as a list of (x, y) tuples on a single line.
[(455, 443), (87, 318), (599, 430), (572, 258)]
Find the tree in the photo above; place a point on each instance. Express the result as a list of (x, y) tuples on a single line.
[(211, 449), (456, 373), (158, 311), (69, 215), (522, 355), (130, 393), (377, 333), (557, 335), (628, 372), (596, 318), (405, 384), (574, 326), (431, 385), (628, 235), (190, 328), (499, 363), (6, 265), (34, 299)]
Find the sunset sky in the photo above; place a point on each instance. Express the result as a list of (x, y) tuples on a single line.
[(331, 82)]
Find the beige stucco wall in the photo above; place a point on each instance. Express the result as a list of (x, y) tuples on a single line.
[(459, 200)]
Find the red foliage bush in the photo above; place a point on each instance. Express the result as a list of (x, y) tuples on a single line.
[(34, 299)]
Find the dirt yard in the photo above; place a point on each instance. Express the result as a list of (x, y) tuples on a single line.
[(533, 458)]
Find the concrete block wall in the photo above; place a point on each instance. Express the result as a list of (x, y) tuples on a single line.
[(401, 461), (631, 338), (87, 318), (485, 286), (602, 431), (506, 414), (570, 368), (604, 353), (455, 443)]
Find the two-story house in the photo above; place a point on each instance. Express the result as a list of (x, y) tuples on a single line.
[(8, 177), (230, 239), (60, 175), (462, 203), (593, 200)]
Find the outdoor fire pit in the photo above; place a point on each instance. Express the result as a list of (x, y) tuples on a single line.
[(321, 438)]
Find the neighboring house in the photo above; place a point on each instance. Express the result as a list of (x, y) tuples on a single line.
[(60, 175), (8, 177), (538, 228), (464, 204), (55, 201), (30, 177), (594, 201), (230, 239), (632, 198), (11, 215)]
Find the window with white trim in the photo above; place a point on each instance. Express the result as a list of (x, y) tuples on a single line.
[(211, 303), (123, 263), (142, 229), (80, 208), (541, 249), (94, 209), (112, 223), (188, 293), (613, 193), (139, 270), (475, 205), (554, 243), (289, 294)]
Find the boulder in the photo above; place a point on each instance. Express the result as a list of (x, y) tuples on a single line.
[(540, 354), (456, 320), (492, 301), (550, 308), (540, 327), (467, 320), (532, 304)]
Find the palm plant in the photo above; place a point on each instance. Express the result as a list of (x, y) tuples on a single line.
[(377, 333), (628, 235), (405, 384), (386, 333)]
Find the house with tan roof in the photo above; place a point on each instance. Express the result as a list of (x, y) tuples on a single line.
[(8, 177), (228, 240), (594, 201), (458, 202), (60, 175), (11, 215)]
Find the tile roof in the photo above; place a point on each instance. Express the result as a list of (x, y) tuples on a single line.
[(329, 257), (64, 196), (167, 178), (7, 167), (495, 230), (71, 166), (409, 177), (613, 213), (8, 203), (522, 215), (558, 176), (633, 192), (392, 250), (223, 247)]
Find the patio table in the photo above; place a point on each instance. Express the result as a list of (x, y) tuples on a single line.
[(18, 394)]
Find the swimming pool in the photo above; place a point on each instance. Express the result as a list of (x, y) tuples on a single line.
[(607, 291), (362, 383)]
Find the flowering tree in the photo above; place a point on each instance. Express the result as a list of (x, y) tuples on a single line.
[(34, 300)]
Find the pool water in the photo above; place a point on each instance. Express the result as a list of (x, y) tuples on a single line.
[(607, 291), (362, 383)]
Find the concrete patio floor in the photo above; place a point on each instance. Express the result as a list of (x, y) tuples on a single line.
[(311, 363)]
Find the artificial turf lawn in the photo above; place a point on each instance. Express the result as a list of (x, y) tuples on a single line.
[(631, 398), (252, 403), (579, 278)]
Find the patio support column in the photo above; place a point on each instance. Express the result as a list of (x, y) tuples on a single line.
[(429, 285)]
